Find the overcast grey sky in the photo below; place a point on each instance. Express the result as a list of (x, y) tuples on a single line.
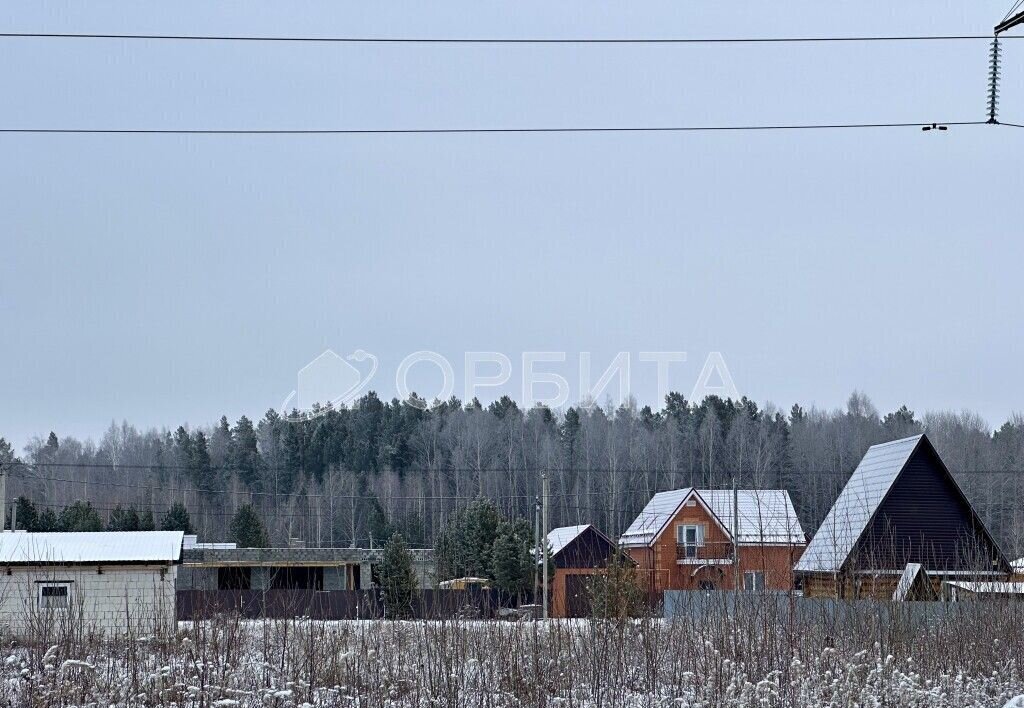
[(165, 279)]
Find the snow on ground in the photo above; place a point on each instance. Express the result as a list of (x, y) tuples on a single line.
[(684, 663)]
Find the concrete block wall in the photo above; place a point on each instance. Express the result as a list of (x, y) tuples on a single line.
[(112, 600)]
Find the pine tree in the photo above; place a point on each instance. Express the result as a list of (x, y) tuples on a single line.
[(247, 529), (380, 526), (27, 516), (47, 521), (199, 465), (511, 562), (463, 546), (6, 453), (146, 522), (177, 519), (244, 452), (122, 519), (397, 578), (79, 516)]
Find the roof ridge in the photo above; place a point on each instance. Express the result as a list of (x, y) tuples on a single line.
[(900, 440)]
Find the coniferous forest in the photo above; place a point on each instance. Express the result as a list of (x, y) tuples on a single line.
[(356, 475)]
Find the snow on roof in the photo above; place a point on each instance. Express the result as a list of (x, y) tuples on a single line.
[(659, 511), (192, 542), (765, 515), (987, 587), (561, 537), (90, 547), (906, 582), (855, 506)]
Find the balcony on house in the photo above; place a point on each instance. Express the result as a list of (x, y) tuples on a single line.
[(704, 553)]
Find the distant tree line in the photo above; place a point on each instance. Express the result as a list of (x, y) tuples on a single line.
[(246, 529), (359, 474)]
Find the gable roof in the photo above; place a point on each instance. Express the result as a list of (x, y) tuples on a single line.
[(564, 535), (765, 515), (864, 493), (906, 583), (856, 505), (58, 548)]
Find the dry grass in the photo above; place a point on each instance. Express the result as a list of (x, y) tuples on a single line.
[(757, 655)]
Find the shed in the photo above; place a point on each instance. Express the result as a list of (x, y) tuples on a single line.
[(577, 554), (901, 506), (114, 583)]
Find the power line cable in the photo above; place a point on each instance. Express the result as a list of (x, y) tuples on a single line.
[(495, 40), (453, 131)]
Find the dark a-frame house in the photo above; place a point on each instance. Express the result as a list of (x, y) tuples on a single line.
[(901, 506)]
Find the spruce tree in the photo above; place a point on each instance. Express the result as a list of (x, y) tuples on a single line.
[(397, 578), (177, 519), (247, 529)]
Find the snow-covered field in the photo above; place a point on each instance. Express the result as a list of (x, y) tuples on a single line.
[(973, 658)]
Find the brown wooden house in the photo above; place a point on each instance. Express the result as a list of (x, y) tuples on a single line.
[(577, 554), (901, 514), (716, 539)]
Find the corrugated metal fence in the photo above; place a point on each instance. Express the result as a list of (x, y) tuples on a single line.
[(333, 604)]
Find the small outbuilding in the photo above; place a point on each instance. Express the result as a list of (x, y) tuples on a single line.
[(577, 554), (114, 583), (900, 515)]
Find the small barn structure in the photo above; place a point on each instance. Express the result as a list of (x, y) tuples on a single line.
[(112, 583), (900, 509), (577, 554), (913, 585), (708, 539)]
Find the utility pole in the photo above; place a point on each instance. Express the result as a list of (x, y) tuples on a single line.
[(3, 496), (1008, 23), (993, 76), (735, 536), (544, 517), (536, 546)]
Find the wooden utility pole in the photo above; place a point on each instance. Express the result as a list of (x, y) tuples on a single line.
[(544, 538)]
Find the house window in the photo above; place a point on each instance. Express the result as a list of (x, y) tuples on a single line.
[(690, 537), (753, 581), (54, 596)]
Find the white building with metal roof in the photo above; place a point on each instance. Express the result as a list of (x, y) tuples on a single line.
[(114, 583)]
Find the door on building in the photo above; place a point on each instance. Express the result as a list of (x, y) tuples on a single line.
[(577, 595)]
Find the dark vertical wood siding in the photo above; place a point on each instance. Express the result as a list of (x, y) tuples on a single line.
[(588, 550), (925, 519)]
